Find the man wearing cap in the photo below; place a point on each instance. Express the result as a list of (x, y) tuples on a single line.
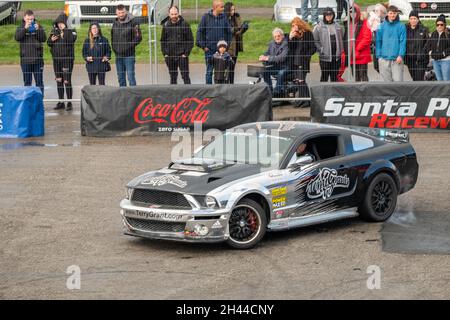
[(391, 46), (439, 49), (416, 53)]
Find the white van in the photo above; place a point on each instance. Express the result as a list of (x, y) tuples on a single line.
[(427, 9), (104, 11)]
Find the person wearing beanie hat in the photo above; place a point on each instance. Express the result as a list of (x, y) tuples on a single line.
[(222, 63), (438, 47), (416, 58), (414, 13), (391, 46), (328, 38), (222, 43)]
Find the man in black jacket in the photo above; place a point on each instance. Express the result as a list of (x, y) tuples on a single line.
[(177, 42), (31, 35), (416, 52), (125, 36)]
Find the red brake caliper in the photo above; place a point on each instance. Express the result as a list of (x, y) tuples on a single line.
[(252, 221)]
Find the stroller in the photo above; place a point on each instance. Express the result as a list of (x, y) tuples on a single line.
[(293, 88)]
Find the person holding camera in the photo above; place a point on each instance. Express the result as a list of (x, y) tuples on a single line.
[(61, 42), (31, 35), (238, 28), (96, 53)]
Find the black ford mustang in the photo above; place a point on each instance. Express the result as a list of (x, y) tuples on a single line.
[(271, 176)]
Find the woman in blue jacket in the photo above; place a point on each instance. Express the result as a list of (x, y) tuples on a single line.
[(96, 53)]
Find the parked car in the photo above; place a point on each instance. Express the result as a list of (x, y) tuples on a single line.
[(8, 11), (104, 11), (227, 193), (286, 10)]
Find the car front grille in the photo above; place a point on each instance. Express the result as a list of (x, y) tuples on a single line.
[(164, 199), (440, 8), (156, 226), (97, 10)]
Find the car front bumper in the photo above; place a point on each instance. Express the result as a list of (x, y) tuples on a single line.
[(177, 225)]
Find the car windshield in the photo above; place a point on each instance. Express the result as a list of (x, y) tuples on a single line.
[(251, 148)]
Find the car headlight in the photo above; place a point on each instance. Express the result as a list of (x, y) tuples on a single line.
[(210, 202), (128, 193), (285, 10)]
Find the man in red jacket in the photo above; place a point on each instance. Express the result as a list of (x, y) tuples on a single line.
[(359, 30)]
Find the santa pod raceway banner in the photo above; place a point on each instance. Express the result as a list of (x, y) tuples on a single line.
[(414, 106), (111, 111)]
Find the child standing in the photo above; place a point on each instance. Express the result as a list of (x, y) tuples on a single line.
[(222, 63)]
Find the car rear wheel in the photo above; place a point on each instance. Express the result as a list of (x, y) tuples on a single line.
[(380, 199), (247, 225)]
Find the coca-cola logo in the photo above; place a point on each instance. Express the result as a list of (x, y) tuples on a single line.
[(186, 112), (325, 182)]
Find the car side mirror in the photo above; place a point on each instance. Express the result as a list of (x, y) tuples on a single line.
[(304, 160)]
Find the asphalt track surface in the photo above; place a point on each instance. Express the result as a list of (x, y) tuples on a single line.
[(59, 200)]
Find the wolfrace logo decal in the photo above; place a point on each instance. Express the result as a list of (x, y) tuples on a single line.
[(165, 179), (325, 182), (393, 115)]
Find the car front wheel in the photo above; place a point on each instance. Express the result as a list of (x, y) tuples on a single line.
[(380, 199), (247, 225)]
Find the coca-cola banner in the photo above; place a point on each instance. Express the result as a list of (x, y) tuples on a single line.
[(112, 111), (397, 105)]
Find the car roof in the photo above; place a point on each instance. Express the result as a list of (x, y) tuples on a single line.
[(294, 129)]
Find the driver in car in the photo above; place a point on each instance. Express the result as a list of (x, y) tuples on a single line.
[(302, 152)]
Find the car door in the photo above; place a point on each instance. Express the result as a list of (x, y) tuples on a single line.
[(326, 184)]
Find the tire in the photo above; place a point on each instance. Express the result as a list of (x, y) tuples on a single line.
[(380, 199), (246, 236)]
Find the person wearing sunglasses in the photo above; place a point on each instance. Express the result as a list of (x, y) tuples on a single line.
[(439, 49), (416, 58)]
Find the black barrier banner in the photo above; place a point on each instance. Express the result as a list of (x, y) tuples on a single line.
[(395, 105), (111, 111)]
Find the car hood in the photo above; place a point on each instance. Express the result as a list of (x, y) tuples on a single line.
[(195, 176)]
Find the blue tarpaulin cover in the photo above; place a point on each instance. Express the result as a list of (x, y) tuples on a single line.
[(21, 112)]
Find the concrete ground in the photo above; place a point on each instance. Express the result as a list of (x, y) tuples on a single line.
[(59, 200)]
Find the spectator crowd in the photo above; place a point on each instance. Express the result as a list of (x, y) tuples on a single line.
[(377, 37)]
